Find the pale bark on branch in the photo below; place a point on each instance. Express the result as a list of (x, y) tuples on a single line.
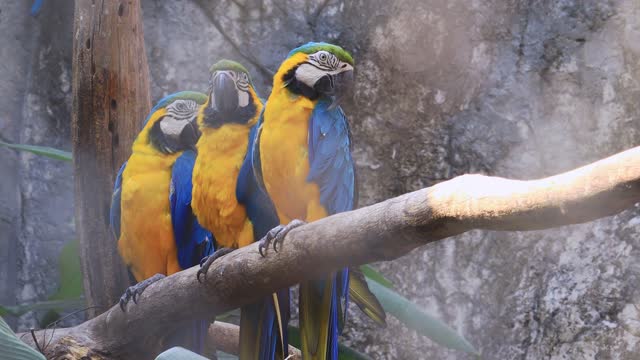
[(383, 231)]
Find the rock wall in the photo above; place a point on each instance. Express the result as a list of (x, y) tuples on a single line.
[(36, 193), (519, 89)]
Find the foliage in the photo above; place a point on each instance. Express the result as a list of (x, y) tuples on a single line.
[(40, 150), (179, 353), (12, 348), (69, 295), (70, 273), (374, 275), (344, 352), (415, 318), (17, 310)]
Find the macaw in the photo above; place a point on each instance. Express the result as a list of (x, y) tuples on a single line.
[(303, 159), (225, 200), (151, 217)]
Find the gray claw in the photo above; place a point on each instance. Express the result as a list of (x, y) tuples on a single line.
[(206, 261), (133, 292), (277, 235)]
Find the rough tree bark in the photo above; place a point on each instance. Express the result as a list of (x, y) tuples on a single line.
[(110, 99), (382, 231)]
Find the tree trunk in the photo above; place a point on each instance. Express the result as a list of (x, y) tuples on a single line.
[(110, 100)]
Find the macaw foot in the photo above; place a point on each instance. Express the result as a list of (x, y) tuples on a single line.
[(136, 290), (277, 235), (206, 261)]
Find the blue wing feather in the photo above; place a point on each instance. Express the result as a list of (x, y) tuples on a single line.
[(333, 169), (261, 212), (114, 211), (331, 164), (192, 240), (250, 190)]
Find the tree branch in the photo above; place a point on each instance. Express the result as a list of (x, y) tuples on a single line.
[(221, 336), (383, 231), (227, 336)]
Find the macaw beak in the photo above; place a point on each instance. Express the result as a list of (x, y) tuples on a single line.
[(335, 86), (190, 134), (225, 93)]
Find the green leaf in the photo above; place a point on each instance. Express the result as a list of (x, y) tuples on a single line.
[(376, 276), (224, 356), (12, 348), (232, 316), (40, 150), (415, 318), (344, 352), (347, 353), (69, 294), (60, 305), (178, 353), (70, 274), (49, 317)]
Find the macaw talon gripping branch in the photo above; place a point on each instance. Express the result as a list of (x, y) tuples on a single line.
[(206, 261), (277, 235), (136, 290)]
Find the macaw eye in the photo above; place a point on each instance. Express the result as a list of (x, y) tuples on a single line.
[(323, 56), (245, 77)]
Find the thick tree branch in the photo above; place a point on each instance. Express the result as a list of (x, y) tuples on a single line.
[(222, 336), (227, 336), (383, 231)]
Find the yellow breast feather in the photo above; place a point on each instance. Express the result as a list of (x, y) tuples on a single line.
[(285, 154), (146, 241), (220, 155)]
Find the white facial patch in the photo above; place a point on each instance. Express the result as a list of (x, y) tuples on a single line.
[(172, 127), (320, 64), (243, 98), (179, 114), (309, 74)]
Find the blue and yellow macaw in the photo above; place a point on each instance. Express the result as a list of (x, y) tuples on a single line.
[(303, 159), (226, 202), (151, 216)]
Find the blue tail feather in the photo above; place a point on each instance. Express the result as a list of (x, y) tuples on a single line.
[(260, 331)]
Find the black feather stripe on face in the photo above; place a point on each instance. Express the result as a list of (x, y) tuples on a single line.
[(297, 87), (163, 143)]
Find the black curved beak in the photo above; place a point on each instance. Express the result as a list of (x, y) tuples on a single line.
[(335, 86), (189, 135), (225, 93)]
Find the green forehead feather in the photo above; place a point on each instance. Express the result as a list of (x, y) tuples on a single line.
[(313, 47), (228, 65)]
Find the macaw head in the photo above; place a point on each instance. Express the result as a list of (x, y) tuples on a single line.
[(178, 130), (232, 97), (170, 126), (316, 70)]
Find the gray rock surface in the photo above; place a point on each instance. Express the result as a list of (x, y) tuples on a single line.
[(519, 89), (13, 51), (35, 79)]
